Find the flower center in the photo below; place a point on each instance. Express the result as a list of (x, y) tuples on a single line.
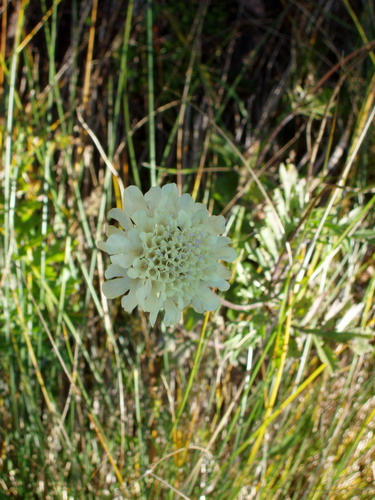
[(172, 254)]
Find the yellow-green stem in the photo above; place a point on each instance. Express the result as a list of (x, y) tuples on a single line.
[(196, 364)]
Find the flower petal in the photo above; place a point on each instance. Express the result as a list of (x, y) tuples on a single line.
[(121, 217), (225, 253), (143, 290), (223, 271), (217, 277), (134, 200), (116, 287), (114, 271), (169, 199), (112, 230), (209, 299), (128, 244), (170, 190), (172, 313), (153, 316), (199, 214), (102, 245), (183, 219), (143, 221), (122, 260), (117, 243), (153, 197), (129, 301), (186, 202), (197, 304), (216, 224), (152, 301), (217, 282)]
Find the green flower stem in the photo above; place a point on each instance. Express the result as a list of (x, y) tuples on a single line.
[(196, 364), (150, 93)]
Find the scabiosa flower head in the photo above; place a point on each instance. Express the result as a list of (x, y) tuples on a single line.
[(166, 254)]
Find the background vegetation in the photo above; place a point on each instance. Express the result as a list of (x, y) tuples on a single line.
[(262, 110)]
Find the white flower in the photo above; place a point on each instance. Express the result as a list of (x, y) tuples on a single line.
[(166, 256)]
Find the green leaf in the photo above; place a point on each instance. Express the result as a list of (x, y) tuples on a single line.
[(326, 355), (333, 334)]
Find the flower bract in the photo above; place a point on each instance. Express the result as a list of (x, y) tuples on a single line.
[(165, 254)]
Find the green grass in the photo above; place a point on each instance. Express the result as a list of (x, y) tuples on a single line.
[(266, 119)]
